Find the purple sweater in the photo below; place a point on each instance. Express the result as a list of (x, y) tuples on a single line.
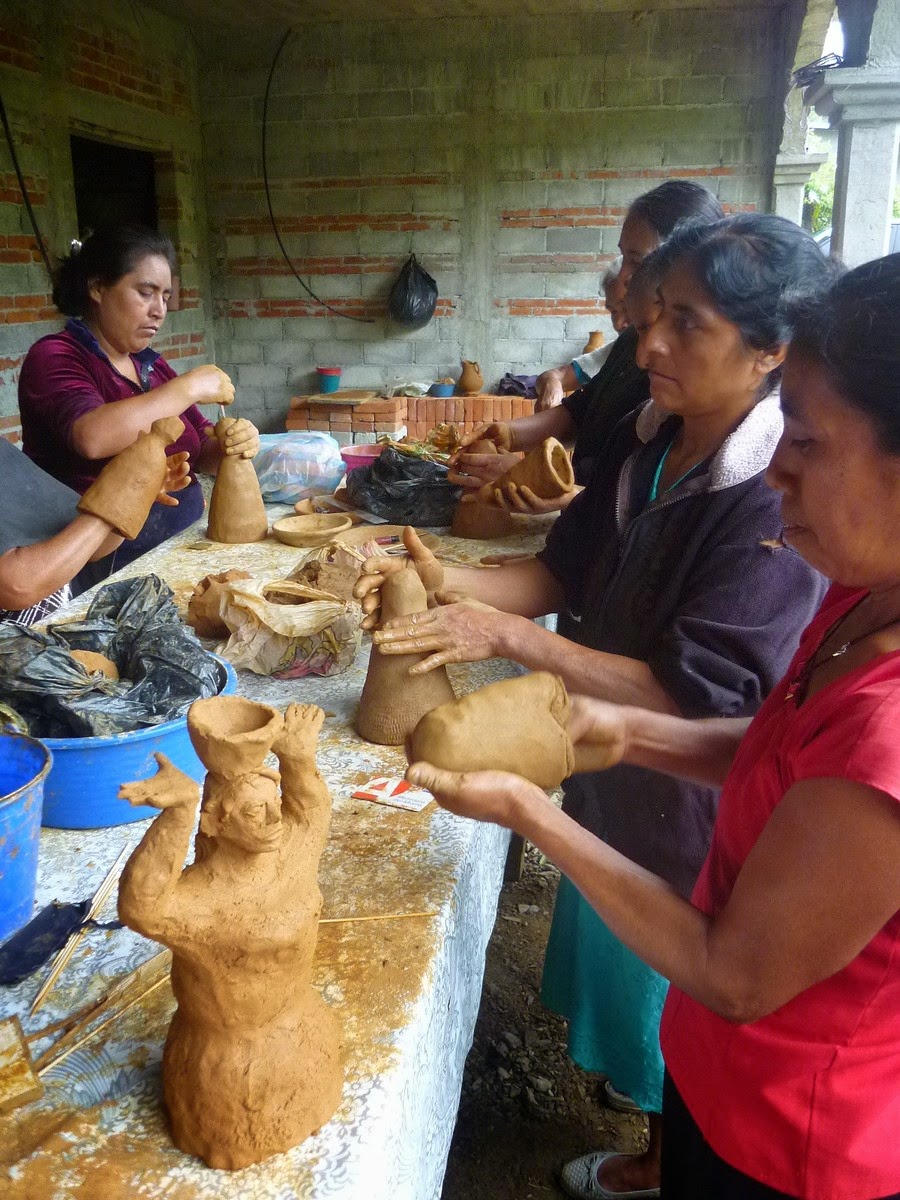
[(66, 375)]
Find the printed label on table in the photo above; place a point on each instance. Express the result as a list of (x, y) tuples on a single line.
[(397, 793)]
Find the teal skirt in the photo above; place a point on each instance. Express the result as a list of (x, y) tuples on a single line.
[(612, 1001)]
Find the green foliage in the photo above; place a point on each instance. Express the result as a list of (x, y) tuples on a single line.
[(819, 196)]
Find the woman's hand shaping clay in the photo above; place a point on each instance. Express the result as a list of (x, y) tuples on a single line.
[(178, 476), (464, 631), (242, 438), (375, 570), (501, 435), (482, 795), (521, 499), (475, 470), (208, 385), (598, 731)]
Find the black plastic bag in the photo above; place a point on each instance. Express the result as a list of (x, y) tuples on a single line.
[(404, 490), (162, 665), (413, 296)]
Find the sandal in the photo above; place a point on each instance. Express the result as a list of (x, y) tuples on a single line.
[(579, 1179), (619, 1100)]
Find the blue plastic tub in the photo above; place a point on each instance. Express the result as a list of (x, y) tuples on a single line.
[(24, 764), (82, 790)]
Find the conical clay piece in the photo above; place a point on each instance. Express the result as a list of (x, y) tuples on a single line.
[(236, 509), (252, 1063), (481, 522), (124, 491), (393, 701), (546, 470), (516, 725)]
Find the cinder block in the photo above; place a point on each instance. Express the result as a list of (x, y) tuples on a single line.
[(389, 352), (261, 376)]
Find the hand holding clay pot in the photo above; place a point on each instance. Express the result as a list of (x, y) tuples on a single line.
[(502, 436), (376, 570), (546, 471), (474, 467), (497, 797), (467, 631), (599, 733), (208, 385), (512, 499)]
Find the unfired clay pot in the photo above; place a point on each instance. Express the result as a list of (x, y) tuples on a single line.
[(471, 381), (232, 735), (546, 470), (481, 522)]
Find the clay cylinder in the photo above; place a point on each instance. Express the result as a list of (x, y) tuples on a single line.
[(516, 725), (232, 735), (124, 491), (236, 510), (594, 342), (471, 381), (546, 470), (393, 701), (481, 522)]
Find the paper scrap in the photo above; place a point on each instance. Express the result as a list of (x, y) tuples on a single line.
[(396, 793)]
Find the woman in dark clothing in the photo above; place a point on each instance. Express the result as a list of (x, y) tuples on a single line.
[(590, 414), (87, 392), (684, 607)]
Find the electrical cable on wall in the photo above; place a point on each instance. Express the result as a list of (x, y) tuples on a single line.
[(265, 171), (23, 189)]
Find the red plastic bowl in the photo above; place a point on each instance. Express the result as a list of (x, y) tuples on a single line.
[(360, 455)]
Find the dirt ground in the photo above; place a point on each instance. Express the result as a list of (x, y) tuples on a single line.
[(525, 1107)]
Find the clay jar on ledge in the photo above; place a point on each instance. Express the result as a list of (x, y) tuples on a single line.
[(471, 381)]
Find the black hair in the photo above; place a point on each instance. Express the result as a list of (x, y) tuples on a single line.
[(105, 257), (673, 201), (756, 268), (851, 329)]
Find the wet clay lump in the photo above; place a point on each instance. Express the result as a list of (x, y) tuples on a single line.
[(252, 1061), (516, 725), (392, 700)]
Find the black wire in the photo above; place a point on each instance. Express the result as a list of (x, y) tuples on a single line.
[(265, 171), (23, 189)]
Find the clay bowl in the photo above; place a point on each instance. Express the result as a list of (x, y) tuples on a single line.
[(231, 734), (313, 529)]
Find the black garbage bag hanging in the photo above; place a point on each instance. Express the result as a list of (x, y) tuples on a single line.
[(413, 296)]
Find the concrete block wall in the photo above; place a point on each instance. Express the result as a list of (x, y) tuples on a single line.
[(108, 71), (502, 152)]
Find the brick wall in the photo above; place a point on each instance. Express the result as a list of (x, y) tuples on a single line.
[(108, 71), (399, 415), (503, 153)]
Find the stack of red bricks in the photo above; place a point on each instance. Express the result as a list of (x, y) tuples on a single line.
[(415, 416)]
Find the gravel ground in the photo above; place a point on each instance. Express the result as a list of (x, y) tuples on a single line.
[(525, 1107)]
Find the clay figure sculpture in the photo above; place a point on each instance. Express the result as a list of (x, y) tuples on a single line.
[(236, 510), (393, 701), (252, 1061), (92, 662), (516, 725), (547, 471), (474, 519), (471, 381), (203, 614), (126, 488), (594, 342)]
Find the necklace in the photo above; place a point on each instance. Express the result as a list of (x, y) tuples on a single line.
[(799, 684), (654, 486)]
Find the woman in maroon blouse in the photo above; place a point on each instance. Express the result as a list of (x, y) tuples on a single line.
[(86, 392), (781, 1033)]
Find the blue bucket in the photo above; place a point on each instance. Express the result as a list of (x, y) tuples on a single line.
[(82, 791), (24, 764)]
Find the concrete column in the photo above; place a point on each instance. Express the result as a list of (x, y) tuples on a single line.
[(792, 173), (864, 103)]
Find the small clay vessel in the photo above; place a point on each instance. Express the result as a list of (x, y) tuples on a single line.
[(546, 470), (236, 510), (203, 606), (471, 381), (129, 483), (393, 701), (232, 735), (516, 725), (594, 342), (481, 522)]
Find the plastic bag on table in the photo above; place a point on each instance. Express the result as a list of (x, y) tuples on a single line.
[(404, 490), (294, 466), (288, 630), (413, 297), (163, 668)]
